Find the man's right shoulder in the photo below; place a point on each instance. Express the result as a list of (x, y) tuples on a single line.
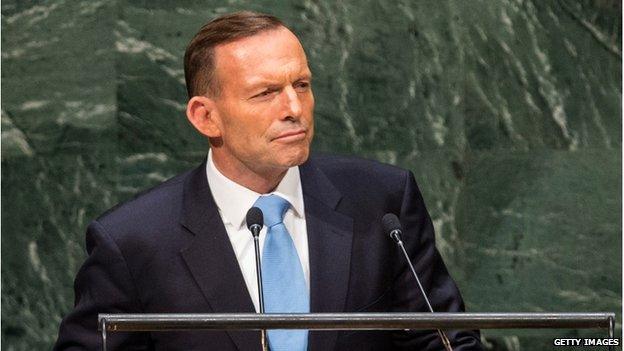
[(151, 208)]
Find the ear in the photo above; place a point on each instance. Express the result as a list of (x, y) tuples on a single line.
[(203, 115)]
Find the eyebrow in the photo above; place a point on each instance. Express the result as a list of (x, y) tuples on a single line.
[(273, 84)]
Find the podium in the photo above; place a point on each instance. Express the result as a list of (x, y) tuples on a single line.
[(352, 321)]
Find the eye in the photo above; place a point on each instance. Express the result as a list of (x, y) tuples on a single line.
[(301, 86), (264, 93)]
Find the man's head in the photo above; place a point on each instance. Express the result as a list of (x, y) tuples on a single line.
[(250, 94)]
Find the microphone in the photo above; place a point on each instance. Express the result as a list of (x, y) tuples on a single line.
[(255, 221), (392, 226)]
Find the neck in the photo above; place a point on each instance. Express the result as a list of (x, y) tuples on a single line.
[(262, 181)]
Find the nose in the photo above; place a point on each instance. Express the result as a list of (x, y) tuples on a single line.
[(292, 103)]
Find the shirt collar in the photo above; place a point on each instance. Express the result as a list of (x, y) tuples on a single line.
[(234, 200)]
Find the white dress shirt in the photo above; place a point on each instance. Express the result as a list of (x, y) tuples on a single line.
[(234, 200)]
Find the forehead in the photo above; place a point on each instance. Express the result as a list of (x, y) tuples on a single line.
[(267, 54)]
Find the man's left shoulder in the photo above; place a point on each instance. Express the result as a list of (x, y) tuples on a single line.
[(338, 164), (350, 171)]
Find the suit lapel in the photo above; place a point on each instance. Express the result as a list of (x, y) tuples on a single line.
[(211, 259), (330, 235)]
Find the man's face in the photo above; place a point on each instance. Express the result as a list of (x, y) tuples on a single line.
[(265, 106)]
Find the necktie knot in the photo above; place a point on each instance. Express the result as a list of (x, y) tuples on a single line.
[(273, 209)]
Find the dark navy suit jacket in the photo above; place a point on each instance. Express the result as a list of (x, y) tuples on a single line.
[(167, 251)]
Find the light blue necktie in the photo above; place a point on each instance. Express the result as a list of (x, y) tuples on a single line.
[(285, 289)]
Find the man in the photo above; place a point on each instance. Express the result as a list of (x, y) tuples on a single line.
[(183, 246)]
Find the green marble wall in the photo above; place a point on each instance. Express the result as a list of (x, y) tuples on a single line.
[(508, 112)]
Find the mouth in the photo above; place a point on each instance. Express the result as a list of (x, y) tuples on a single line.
[(291, 136)]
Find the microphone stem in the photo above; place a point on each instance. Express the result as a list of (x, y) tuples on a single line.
[(409, 263), (263, 335), (443, 337), (259, 275)]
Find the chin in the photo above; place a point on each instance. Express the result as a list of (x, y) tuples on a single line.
[(293, 158)]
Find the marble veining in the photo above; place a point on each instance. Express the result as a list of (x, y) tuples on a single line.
[(508, 113)]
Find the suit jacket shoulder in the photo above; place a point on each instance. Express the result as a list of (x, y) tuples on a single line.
[(366, 185), (363, 169), (151, 210)]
